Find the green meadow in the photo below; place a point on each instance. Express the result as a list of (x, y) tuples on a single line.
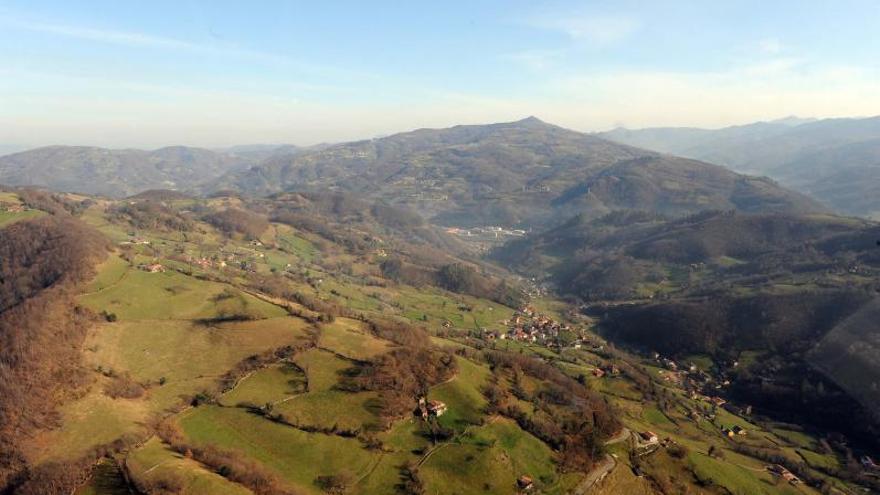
[(296, 456), (154, 460)]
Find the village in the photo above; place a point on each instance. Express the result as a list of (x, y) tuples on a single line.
[(530, 326)]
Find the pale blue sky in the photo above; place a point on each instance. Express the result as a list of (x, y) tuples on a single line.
[(216, 73)]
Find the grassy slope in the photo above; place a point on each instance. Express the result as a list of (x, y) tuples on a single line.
[(324, 406), (174, 296), (297, 456), (154, 460)]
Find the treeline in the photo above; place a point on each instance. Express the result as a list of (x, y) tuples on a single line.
[(568, 417), (455, 277), (401, 376), (150, 215), (227, 463), (257, 361), (235, 221), (42, 261), (49, 202)]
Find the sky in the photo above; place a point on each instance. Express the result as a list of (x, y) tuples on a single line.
[(218, 73)]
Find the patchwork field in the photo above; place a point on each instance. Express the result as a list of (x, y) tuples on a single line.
[(296, 456)]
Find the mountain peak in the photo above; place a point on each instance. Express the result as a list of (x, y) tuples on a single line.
[(531, 120)]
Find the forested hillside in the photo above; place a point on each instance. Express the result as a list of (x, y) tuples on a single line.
[(522, 174)]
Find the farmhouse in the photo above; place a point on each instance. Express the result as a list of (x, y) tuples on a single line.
[(649, 437), (783, 473), (525, 482), (429, 408), (436, 407), (14, 208), (153, 268)]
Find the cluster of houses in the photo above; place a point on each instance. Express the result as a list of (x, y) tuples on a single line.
[(205, 263), (492, 232), (527, 325), (733, 431), (609, 369)]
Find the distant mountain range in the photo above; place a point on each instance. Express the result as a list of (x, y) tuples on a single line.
[(834, 160), (522, 173), (525, 173), (117, 173), (124, 172)]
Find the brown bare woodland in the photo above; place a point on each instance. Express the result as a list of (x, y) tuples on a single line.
[(41, 329)]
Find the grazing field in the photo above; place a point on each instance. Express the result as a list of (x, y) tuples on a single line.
[(490, 459), (269, 385), (817, 460), (296, 456), (174, 296), (796, 438), (527, 454), (463, 394), (323, 406), (89, 421), (172, 359), (7, 218), (287, 239), (190, 357), (155, 461), (109, 273), (347, 337), (723, 472)]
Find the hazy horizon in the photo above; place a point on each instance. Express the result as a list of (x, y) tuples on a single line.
[(216, 75), (10, 148)]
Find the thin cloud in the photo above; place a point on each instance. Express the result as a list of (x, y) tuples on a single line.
[(142, 40), (137, 40), (536, 60), (596, 29)]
